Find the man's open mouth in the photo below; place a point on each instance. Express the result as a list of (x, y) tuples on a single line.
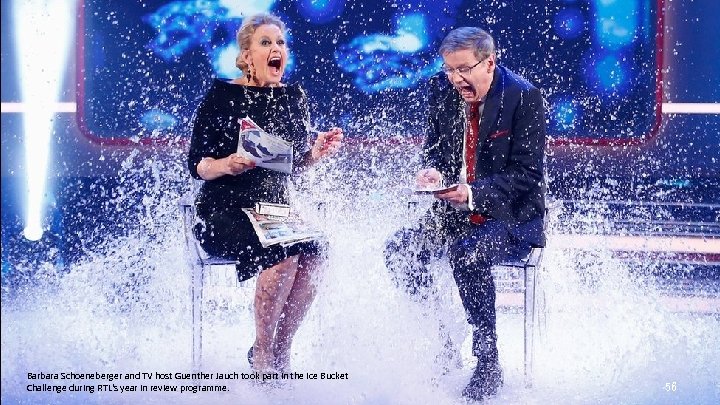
[(467, 91)]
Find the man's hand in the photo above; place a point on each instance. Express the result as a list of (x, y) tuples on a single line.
[(457, 197), (427, 178)]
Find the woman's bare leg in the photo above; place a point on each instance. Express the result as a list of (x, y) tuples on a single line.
[(298, 302), (274, 284)]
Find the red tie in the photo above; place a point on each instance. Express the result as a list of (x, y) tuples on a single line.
[(470, 152)]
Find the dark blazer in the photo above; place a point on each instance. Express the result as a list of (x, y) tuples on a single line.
[(509, 185)]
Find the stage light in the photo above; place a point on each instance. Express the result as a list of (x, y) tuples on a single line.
[(412, 32), (616, 23), (42, 38), (320, 11), (569, 23), (156, 120), (611, 73), (241, 8), (223, 60), (565, 114)]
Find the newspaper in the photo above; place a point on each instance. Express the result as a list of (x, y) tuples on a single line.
[(266, 150), (285, 231)]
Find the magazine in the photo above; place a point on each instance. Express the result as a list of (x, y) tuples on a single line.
[(266, 150), (285, 231), (273, 210)]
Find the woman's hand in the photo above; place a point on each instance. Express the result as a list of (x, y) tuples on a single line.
[(210, 169), (236, 164), (327, 143)]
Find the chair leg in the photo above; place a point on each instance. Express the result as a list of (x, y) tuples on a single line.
[(529, 315), (196, 296)]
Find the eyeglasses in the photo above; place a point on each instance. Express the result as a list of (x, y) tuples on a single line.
[(461, 70)]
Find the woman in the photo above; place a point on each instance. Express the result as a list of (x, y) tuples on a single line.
[(285, 286)]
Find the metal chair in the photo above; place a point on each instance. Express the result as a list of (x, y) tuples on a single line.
[(529, 266), (199, 262)]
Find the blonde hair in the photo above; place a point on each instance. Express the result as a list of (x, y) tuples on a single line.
[(246, 31)]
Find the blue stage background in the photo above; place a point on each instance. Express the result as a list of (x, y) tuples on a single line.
[(596, 61)]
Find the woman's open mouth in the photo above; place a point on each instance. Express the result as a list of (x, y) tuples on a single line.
[(275, 63)]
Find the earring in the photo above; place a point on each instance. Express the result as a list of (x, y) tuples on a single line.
[(251, 73)]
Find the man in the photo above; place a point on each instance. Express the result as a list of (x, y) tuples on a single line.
[(486, 133)]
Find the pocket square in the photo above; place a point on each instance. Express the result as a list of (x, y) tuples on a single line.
[(499, 134)]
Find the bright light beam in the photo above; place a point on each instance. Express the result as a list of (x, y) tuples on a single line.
[(42, 40)]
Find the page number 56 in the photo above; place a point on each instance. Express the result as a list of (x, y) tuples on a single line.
[(671, 386)]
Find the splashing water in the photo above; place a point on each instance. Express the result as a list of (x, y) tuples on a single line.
[(125, 308)]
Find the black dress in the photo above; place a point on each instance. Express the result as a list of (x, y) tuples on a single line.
[(225, 230)]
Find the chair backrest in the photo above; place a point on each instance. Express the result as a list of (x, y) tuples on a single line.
[(187, 206), (197, 253)]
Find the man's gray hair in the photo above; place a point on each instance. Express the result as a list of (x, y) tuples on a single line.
[(472, 38)]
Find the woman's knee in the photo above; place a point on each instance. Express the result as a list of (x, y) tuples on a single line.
[(285, 268), (310, 263)]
